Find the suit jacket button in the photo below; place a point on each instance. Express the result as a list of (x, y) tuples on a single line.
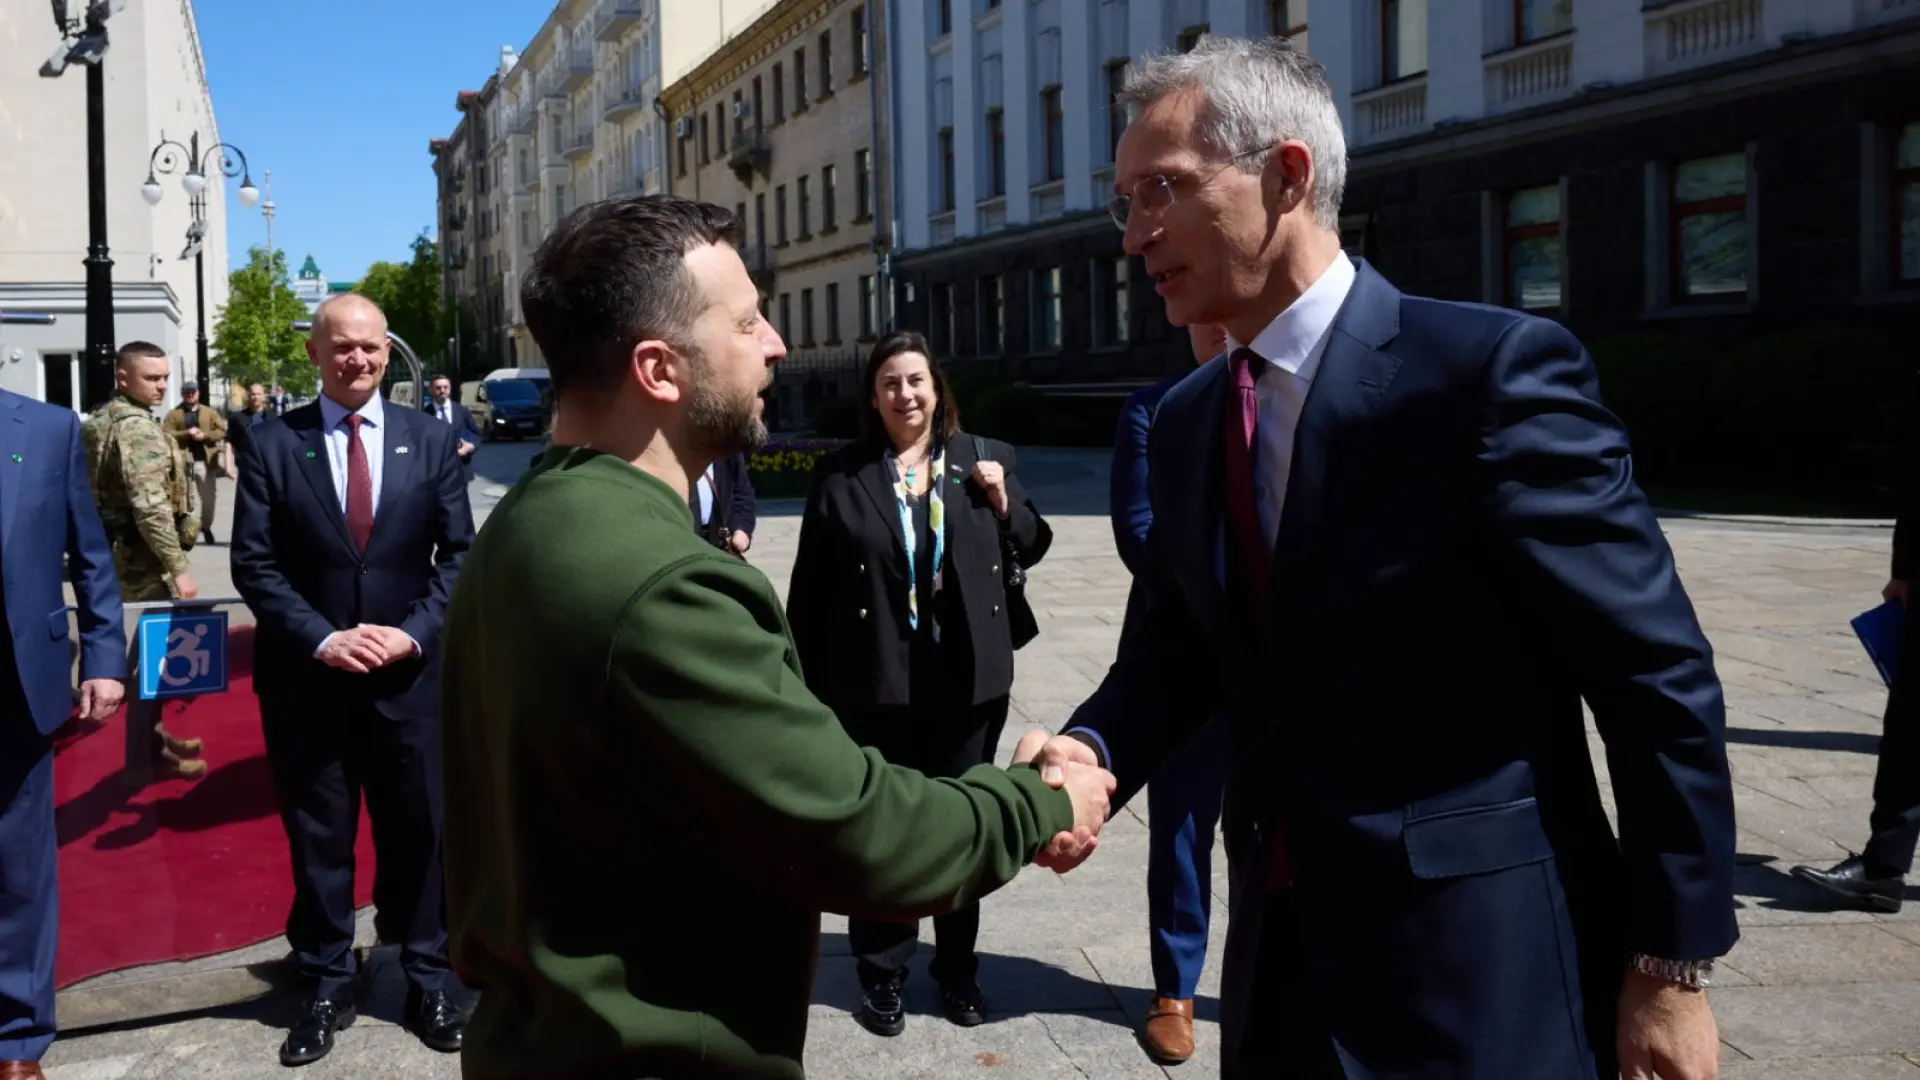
[(863, 568), (996, 568), (996, 609), (863, 613)]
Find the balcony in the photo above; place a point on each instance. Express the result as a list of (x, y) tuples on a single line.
[(1693, 33), (1049, 200), (759, 260), (1536, 72), (751, 148), (579, 144), (1392, 111), (575, 66), (613, 18), (622, 102), (457, 220)]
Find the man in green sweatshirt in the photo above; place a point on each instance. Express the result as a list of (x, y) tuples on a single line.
[(645, 809)]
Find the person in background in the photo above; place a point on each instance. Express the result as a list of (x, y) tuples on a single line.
[(349, 527), (47, 518), (911, 645), (441, 406), (1183, 799), (253, 411), (144, 496), (202, 432), (723, 505), (279, 400), (624, 702)]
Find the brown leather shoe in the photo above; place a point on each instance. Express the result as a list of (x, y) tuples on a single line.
[(21, 1070), (171, 768), (1168, 1035), (185, 748)]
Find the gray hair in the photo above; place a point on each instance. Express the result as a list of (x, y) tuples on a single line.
[(1256, 93)]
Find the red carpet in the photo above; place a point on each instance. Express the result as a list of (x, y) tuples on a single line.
[(180, 869)]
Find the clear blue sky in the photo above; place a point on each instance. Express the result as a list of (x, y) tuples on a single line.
[(339, 101)]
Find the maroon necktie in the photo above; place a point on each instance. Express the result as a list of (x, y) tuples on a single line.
[(1248, 557), (359, 486)]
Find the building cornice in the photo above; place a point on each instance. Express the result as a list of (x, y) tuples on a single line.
[(745, 51)]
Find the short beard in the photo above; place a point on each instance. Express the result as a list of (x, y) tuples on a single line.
[(719, 428)]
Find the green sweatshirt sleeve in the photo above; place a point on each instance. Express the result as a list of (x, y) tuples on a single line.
[(704, 691)]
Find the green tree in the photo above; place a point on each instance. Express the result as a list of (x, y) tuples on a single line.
[(410, 295), (253, 337)]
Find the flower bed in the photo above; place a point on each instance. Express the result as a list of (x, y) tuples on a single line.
[(781, 470)]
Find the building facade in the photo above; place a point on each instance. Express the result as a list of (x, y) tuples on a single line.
[(1708, 165), (156, 85), (572, 117), (783, 124)]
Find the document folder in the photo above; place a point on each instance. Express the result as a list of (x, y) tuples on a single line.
[(1879, 632)]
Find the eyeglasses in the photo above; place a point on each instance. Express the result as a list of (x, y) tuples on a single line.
[(1155, 193)]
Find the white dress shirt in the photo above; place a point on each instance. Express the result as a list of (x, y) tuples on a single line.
[(444, 410), (703, 487), (333, 421)]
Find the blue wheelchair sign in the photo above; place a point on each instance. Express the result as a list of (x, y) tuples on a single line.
[(182, 653)]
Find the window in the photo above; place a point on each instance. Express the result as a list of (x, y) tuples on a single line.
[(1906, 195), (942, 320), (739, 114), (780, 214), (1116, 303), (759, 103), (861, 63), (945, 142), (720, 125), (786, 316), (683, 157), (1533, 249), (826, 62), (1288, 19), (1709, 228), (559, 201), (1191, 37), (760, 218), (526, 172), (779, 94), (944, 16), (862, 185), (1046, 309), (740, 219), (706, 152), (57, 373), (806, 316), (805, 198), (829, 197), (867, 297), (993, 317), (833, 313), (1536, 19), (526, 228), (1116, 112), (1403, 39), (799, 80), (1056, 133), (996, 152)]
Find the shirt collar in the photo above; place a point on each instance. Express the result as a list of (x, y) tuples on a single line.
[(1291, 340), (334, 414)]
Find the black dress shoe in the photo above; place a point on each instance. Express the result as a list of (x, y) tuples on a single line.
[(1851, 881), (883, 1008), (964, 1004), (312, 1035), (432, 1017)]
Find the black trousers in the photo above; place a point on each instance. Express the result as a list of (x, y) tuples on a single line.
[(1287, 1036), (940, 741), (1896, 781), (324, 755)]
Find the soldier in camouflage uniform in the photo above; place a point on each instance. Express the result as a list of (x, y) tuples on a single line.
[(146, 501)]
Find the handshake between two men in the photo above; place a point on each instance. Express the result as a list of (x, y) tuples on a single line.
[(1067, 762)]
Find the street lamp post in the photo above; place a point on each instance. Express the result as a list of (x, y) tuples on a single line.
[(165, 160)]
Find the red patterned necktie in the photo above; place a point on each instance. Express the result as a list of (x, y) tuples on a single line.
[(1248, 557), (359, 486)]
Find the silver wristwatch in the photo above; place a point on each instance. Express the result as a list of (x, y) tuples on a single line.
[(1695, 974)]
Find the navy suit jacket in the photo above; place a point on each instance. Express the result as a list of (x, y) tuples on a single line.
[(1463, 555), (295, 564), (46, 512), (735, 506), (1127, 502), (462, 420)]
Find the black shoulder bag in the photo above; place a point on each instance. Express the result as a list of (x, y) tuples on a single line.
[(1021, 624)]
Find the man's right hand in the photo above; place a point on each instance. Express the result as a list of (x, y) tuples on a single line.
[(356, 650), (1896, 590), (183, 584), (1068, 762)]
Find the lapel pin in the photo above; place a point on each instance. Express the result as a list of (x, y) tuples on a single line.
[(399, 449), (309, 453), (16, 459)]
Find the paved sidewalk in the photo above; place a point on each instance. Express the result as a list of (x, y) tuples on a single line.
[(1807, 995)]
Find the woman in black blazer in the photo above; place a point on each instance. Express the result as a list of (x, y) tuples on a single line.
[(899, 609)]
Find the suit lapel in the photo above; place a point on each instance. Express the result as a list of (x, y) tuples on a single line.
[(872, 477), (1351, 382), (1193, 515), (13, 441), (310, 458), (399, 473)]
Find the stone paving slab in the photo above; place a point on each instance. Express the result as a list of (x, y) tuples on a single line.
[(1809, 993)]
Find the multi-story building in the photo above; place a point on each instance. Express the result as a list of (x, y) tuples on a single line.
[(156, 85), (575, 116), (1608, 162), (784, 124), (470, 280)]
